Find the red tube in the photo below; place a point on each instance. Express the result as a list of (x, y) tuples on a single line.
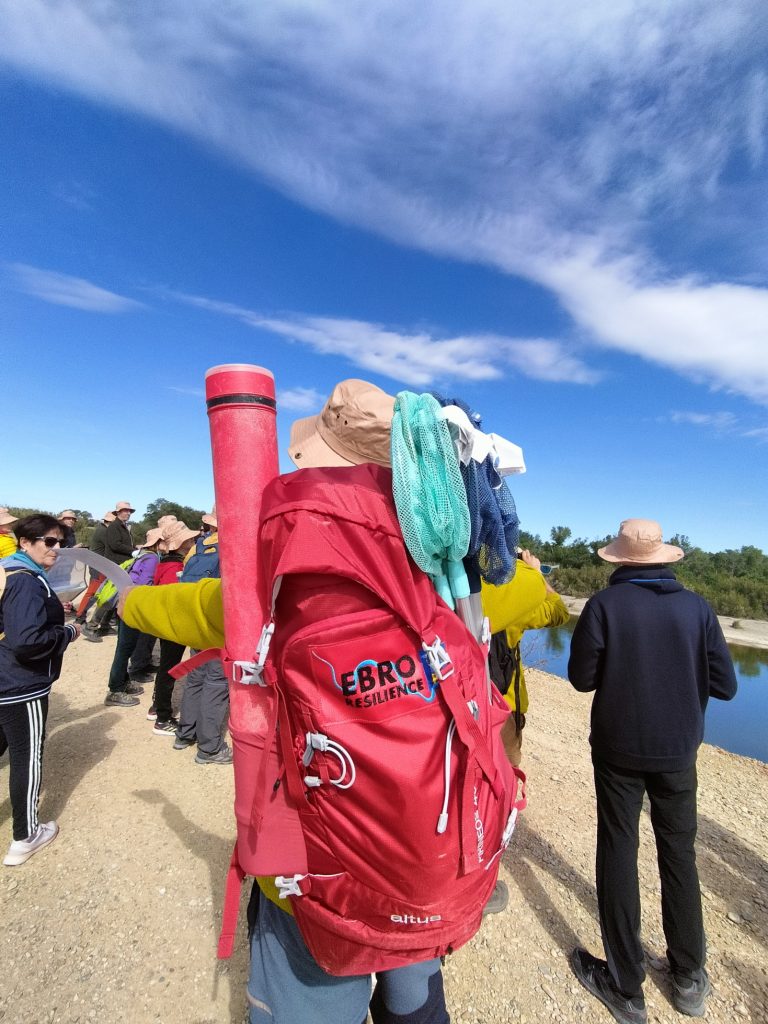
[(241, 411)]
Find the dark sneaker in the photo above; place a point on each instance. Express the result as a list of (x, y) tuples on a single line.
[(167, 728), (182, 744), (21, 850), (151, 713), (222, 756), (120, 699), (690, 994), (134, 689), (596, 978), (499, 899), (90, 634), (142, 677)]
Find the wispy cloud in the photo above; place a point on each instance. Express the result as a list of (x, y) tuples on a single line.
[(415, 358), (759, 434), (556, 141), (717, 420), (64, 290), (301, 399), (191, 392)]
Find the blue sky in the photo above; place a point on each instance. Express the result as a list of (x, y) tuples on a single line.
[(555, 211)]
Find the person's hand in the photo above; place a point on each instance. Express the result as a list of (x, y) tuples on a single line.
[(77, 629), (121, 600), (529, 559), (67, 606)]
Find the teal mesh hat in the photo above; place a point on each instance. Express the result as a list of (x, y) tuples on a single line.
[(429, 493)]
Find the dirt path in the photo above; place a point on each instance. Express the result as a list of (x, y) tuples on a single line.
[(117, 921)]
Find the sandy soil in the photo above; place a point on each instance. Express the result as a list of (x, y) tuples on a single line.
[(117, 920), (746, 632)]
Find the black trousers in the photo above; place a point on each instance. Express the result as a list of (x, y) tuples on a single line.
[(672, 797), (22, 734), (170, 655)]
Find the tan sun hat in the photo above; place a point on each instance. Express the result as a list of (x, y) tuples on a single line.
[(108, 517), (354, 427), (166, 521), (154, 536), (121, 506), (174, 535), (640, 542), (210, 518), (66, 514), (6, 518)]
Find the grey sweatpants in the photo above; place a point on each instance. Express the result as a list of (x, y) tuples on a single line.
[(204, 706)]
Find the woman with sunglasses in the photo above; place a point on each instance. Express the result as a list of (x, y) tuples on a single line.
[(33, 638)]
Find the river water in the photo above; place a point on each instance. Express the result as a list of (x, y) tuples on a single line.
[(740, 725)]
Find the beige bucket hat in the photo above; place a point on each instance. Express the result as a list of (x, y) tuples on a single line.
[(154, 536), (121, 506), (108, 517), (210, 518), (66, 514), (6, 518), (640, 542), (164, 521), (353, 427), (174, 535)]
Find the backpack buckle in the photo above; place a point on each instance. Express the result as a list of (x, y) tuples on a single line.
[(485, 634), (289, 886), (262, 648), (438, 658), (248, 673)]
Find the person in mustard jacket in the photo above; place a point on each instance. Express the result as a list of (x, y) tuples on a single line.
[(526, 602)]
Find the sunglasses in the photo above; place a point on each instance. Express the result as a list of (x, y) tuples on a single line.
[(50, 542)]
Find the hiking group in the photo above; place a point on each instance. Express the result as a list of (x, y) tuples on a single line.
[(377, 732)]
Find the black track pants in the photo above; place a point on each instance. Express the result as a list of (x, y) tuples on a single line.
[(22, 734)]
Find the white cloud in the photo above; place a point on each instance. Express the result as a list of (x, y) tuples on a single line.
[(714, 333), (191, 392), (63, 290), (720, 421), (759, 433), (417, 359), (549, 140), (301, 399)]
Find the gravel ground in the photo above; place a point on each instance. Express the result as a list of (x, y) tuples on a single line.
[(117, 921)]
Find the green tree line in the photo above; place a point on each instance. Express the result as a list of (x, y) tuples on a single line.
[(734, 581), (157, 508)]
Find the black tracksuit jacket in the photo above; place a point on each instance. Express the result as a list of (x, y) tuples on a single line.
[(654, 653)]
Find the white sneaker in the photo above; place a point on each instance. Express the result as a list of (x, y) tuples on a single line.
[(21, 850)]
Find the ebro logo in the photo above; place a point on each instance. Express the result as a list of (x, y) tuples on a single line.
[(413, 919)]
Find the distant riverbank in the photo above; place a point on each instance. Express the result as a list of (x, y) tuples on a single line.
[(746, 632)]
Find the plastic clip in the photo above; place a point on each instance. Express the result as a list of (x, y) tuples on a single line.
[(247, 672), (262, 649), (288, 886), (438, 658)]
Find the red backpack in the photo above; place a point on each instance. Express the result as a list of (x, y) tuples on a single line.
[(386, 730)]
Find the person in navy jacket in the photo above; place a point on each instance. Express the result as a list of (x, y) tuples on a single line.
[(653, 653), (33, 638)]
